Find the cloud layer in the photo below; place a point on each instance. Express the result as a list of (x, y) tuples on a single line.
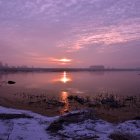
[(90, 32)]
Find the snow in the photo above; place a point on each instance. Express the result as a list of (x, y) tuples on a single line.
[(131, 127), (35, 128), (24, 129), (89, 128)]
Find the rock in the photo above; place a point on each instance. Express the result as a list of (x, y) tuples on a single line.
[(11, 82)]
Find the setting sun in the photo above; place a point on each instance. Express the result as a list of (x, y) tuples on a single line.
[(65, 60), (60, 61)]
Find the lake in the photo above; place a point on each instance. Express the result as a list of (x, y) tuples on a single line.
[(32, 88), (84, 83)]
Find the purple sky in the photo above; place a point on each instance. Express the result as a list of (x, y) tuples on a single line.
[(86, 32)]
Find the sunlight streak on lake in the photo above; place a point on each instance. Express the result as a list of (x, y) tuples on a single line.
[(63, 78), (64, 95)]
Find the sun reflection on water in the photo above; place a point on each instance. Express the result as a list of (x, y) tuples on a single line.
[(64, 78), (64, 95)]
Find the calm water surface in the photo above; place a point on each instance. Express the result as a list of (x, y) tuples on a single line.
[(83, 83)]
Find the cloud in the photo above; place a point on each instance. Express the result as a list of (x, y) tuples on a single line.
[(106, 35), (43, 29)]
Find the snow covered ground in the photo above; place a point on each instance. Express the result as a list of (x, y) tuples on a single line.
[(35, 128)]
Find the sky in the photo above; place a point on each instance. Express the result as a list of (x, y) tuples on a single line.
[(70, 33)]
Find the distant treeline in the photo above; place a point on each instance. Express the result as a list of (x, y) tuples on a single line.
[(63, 69)]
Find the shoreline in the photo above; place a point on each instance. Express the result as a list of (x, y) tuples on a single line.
[(53, 107), (16, 70), (109, 107)]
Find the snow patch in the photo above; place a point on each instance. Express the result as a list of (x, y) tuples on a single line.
[(35, 128)]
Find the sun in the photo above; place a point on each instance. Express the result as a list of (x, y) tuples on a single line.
[(60, 60), (64, 60)]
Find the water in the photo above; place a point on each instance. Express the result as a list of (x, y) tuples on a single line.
[(32, 91), (82, 83)]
